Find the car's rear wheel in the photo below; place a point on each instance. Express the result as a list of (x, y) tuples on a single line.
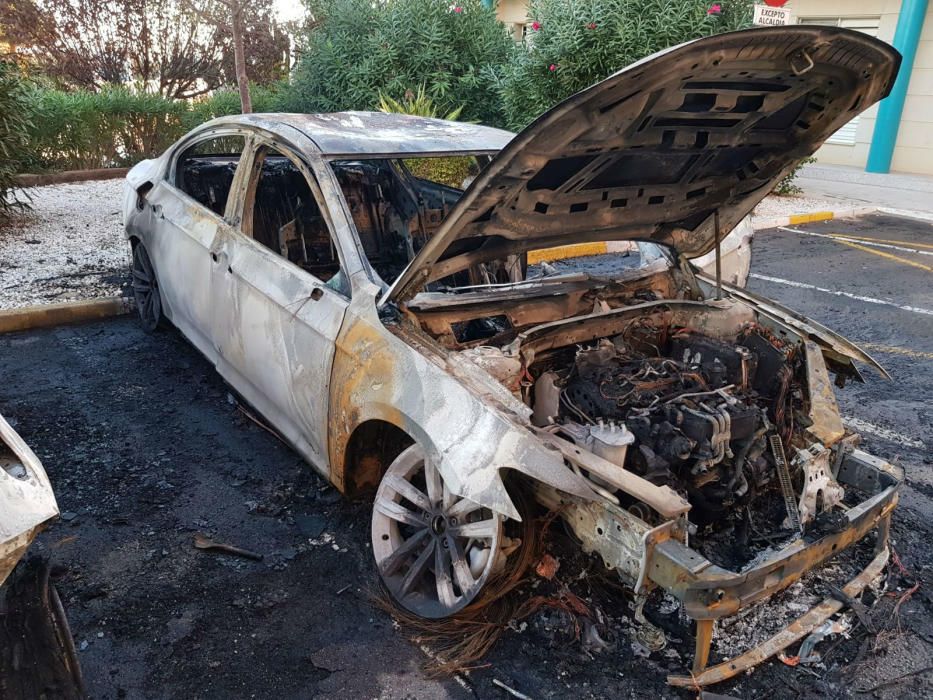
[(146, 289), (435, 551)]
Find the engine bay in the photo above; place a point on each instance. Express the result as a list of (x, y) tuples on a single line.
[(720, 421)]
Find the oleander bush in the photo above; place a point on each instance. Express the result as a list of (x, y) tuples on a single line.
[(571, 45), (15, 127), (358, 49), (115, 127), (77, 130)]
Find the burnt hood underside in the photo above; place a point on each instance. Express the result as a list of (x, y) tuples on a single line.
[(653, 151)]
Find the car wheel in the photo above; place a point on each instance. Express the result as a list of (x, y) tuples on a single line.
[(435, 551), (146, 290)]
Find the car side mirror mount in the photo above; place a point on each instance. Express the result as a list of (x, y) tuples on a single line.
[(141, 193)]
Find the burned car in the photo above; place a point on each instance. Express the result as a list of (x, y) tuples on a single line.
[(37, 653), (392, 329), (27, 504)]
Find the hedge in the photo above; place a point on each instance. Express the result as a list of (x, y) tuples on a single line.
[(115, 127), (15, 127)]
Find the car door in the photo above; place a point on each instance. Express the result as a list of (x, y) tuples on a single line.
[(276, 316), (188, 207)]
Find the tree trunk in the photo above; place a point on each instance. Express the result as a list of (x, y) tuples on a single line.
[(239, 59)]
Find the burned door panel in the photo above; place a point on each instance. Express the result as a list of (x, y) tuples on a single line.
[(276, 322)]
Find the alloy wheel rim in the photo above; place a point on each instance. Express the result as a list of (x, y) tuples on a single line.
[(146, 289), (435, 550)]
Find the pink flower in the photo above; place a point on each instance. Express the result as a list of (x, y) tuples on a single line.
[(591, 25), (456, 9), (552, 67), (714, 9), (536, 25)]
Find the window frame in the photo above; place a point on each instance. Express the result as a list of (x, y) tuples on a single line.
[(245, 198), (190, 142)]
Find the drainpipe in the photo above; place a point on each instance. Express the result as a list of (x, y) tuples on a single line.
[(906, 38)]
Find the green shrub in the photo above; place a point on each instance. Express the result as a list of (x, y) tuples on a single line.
[(359, 49), (15, 126), (450, 170), (115, 127), (572, 45), (111, 128), (786, 187)]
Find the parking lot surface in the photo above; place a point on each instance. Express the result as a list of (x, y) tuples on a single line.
[(145, 448)]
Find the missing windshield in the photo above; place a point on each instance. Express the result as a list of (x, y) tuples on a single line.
[(398, 205)]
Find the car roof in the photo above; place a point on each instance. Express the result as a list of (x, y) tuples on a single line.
[(378, 134)]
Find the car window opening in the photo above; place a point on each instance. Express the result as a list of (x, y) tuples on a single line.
[(287, 219), (397, 205), (205, 170)]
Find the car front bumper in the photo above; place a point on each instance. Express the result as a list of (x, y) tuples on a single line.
[(709, 592)]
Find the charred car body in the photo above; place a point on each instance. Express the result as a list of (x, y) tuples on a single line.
[(392, 331), (27, 504)]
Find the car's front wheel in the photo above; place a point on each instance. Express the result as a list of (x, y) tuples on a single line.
[(435, 551), (146, 289)]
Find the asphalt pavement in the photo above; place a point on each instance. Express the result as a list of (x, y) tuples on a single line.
[(870, 279)]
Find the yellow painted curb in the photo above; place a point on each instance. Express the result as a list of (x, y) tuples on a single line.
[(810, 218), (577, 250), (45, 315)]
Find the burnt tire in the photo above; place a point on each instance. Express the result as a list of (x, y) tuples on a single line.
[(434, 550), (146, 291), (37, 654)]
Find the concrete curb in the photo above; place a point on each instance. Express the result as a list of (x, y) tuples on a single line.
[(45, 315), (43, 179), (759, 223)]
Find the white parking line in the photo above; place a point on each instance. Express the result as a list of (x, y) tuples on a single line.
[(861, 241), (863, 426), (857, 297)]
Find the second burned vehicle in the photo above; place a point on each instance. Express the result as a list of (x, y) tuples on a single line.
[(392, 330)]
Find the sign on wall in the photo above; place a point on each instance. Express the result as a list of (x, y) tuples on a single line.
[(768, 16)]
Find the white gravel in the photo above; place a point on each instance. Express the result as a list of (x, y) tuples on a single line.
[(773, 206), (69, 247)]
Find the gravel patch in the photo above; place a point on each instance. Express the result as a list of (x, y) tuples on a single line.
[(69, 247), (773, 206)]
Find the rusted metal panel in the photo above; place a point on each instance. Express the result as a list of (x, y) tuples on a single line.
[(797, 630), (824, 411), (468, 424), (711, 592)]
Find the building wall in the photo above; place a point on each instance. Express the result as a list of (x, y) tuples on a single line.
[(514, 14), (913, 152)]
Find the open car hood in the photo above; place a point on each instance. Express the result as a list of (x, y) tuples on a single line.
[(653, 151)]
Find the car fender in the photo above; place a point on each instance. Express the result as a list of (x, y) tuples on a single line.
[(468, 424), (27, 502)]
